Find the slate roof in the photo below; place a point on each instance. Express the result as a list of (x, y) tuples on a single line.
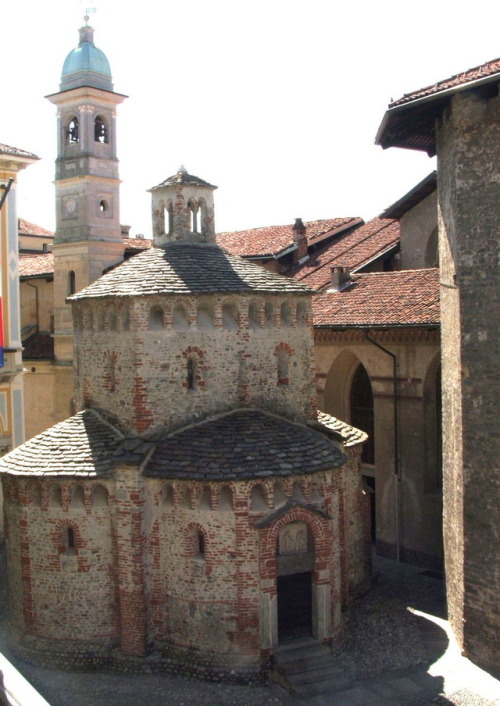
[(40, 346), (81, 446), (355, 250), (16, 152), (27, 228), (182, 177), (490, 68), (39, 265), (272, 240), (349, 435), (182, 268), (381, 299), (244, 444)]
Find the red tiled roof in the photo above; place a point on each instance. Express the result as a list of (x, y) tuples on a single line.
[(36, 265), (27, 228), (272, 240), (490, 68), (354, 250), (15, 151), (387, 299), (137, 244)]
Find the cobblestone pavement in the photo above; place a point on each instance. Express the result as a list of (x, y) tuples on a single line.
[(399, 653)]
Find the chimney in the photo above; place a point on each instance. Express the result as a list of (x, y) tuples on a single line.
[(341, 278), (299, 237)]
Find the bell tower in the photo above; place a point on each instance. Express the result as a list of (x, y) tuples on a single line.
[(88, 236)]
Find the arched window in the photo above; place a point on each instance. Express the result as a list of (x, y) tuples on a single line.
[(170, 212), (286, 314), (70, 540), (156, 318), (77, 497), (361, 402), (205, 319), (72, 132), (194, 215), (203, 216), (253, 316), (101, 132), (180, 318), (301, 313), (283, 359), (258, 500), (269, 314), (71, 282), (230, 317), (99, 496), (191, 373)]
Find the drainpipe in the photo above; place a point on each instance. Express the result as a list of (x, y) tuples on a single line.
[(397, 477), (36, 302)]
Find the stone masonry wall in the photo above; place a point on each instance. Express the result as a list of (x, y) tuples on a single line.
[(244, 352), (469, 194)]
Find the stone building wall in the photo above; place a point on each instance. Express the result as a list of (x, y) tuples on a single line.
[(133, 573), (419, 241), (338, 354), (265, 362), (468, 146)]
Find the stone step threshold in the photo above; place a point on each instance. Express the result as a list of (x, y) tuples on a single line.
[(14, 689)]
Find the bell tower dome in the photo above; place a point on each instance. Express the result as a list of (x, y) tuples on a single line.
[(88, 235)]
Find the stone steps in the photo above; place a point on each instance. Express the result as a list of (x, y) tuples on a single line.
[(306, 668)]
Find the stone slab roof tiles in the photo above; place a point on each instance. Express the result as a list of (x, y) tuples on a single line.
[(182, 177), (349, 435), (181, 268), (272, 240), (381, 299), (39, 265), (244, 444), (26, 228), (40, 346), (355, 250), (81, 446)]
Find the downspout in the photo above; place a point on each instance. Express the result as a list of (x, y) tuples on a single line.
[(36, 304), (397, 477)]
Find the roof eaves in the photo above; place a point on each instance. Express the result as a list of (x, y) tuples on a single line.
[(439, 97)]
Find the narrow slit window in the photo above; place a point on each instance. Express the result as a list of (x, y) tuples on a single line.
[(191, 374), (201, 544)]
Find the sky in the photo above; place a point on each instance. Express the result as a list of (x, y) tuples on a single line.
[(277, 102)]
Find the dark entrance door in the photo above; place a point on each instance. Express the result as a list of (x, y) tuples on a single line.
[(294, 606)]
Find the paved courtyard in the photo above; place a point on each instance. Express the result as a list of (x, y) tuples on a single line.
[(400, 653)]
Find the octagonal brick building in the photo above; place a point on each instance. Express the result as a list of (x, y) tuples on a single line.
[(198, 510)]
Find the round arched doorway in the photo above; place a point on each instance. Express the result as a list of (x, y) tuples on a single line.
[(295, 562)]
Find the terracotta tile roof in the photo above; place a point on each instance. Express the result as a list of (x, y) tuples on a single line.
[(490, 68), (133, 245), (27, 228), (381, 299), (183, 268), (82, 445), (272, 240), (410, 121), (355, 250), (16, 152), (40, 346), (40, 265), (349, 435), (243, 444)]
